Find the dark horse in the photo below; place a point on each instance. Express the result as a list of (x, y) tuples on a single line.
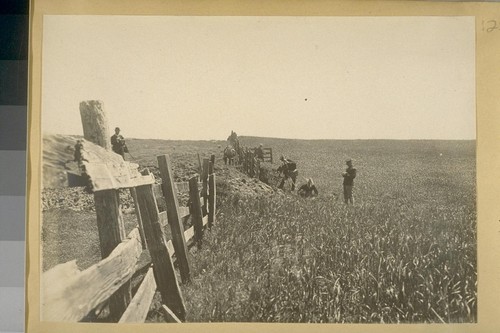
[(229, 155)]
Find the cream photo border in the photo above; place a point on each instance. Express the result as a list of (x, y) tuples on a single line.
[(488, 146)]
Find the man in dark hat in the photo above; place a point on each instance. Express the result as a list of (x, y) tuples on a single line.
[(259, 152), (118, 143), (349, 175)]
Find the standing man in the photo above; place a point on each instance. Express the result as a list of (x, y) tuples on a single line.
[(349, 175), (118, 143), (289, 170), (259, 152)]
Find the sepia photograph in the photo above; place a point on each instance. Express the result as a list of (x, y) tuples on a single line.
[(258, 169)]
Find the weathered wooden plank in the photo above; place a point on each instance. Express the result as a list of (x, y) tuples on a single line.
[(174, 220), (184, 215), (200, 168), (189, 234), (204, 189), (204, 174), (165, 276), (111, 233), (158, 193), (133, 193), (163, 219), (211, 200), (140, 304), (183, 211), (195, 210), (115, 174), (69, 294), (170, 315), (252, 164), (109, 220)]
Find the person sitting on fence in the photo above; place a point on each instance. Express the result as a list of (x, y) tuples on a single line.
[(289, 170), (78, 155), (259, 152), (308, 190), (118, 143)]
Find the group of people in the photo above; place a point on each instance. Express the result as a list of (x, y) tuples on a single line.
[(288, 167), (289, 170)]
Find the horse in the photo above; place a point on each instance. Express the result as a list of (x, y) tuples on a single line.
[(229, 155)]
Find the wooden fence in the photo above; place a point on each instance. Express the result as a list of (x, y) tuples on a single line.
[(69, 294), (268, 154), (250, 164)]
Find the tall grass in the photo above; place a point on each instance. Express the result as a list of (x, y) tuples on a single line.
[(406, 252)]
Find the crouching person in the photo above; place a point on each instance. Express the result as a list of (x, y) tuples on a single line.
[(308, 190)]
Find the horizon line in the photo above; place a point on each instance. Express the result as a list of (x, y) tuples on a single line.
[(283, 138)]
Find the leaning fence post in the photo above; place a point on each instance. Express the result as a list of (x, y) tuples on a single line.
[(257, 168), (245, 162), (111, 233), (248, 163), (163, 269), (211, 195), (200, 169), (195, 210), (252, 164), (170, 194), (204, 190), (133, 193)]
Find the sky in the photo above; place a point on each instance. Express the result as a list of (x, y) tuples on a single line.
[(198, 78)]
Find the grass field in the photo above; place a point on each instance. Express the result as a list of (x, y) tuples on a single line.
[(405, 252)]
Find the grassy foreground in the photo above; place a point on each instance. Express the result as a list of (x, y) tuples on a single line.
[(406, 252)]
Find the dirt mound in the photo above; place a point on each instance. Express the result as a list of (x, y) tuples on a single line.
[(230, 180), (59, 169), (77, 199), (58, 165), (268, 174)]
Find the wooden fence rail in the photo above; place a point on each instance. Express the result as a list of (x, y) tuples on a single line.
[(69, 294), (250, 164)]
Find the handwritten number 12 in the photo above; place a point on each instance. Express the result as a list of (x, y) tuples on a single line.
[(490, 25)]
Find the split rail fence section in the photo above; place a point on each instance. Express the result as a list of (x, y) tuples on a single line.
[(250, 164), (268, 154), (69, 294)]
